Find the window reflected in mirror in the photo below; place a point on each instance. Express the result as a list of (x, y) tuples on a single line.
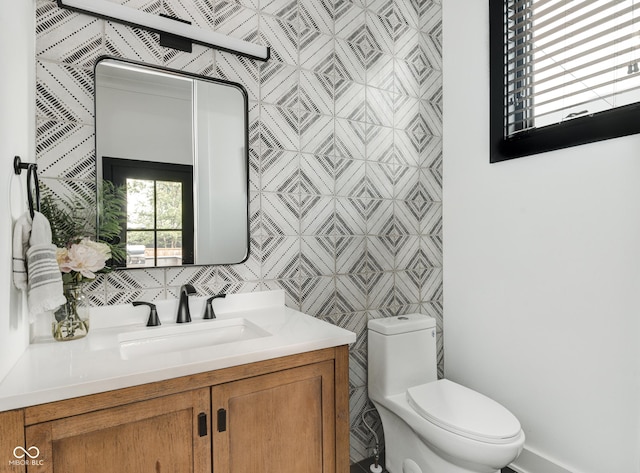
[(159, 211), (154, 223)]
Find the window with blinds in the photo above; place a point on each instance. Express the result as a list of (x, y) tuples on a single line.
[(563, 73)]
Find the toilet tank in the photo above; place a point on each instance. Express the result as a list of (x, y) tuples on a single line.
[(401, 354)]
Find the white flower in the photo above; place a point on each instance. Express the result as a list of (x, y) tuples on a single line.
[(61, 257), (86, 257), (96, 245)]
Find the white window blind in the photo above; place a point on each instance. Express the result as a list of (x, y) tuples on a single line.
[(569, 58)]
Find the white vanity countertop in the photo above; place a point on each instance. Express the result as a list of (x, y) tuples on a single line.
[(51, 371)]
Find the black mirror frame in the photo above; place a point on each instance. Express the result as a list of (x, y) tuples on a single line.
[(239, 86)]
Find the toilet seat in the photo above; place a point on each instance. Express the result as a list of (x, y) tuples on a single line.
[(463, 411)]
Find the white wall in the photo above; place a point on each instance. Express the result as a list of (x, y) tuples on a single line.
[(17, 133), (541, 272), (221, 170), (149, 125)]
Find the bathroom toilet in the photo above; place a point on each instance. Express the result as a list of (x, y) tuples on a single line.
[(431, 425)]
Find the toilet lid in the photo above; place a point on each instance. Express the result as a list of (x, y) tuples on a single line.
[(463, 411)]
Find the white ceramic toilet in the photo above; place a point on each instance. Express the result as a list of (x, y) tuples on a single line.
[(431, 425)]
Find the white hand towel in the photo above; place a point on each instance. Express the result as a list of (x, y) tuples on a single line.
[(44, 281), (21, 234)]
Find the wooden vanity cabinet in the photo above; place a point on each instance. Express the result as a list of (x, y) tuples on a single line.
[(11, 436), (281, 423), (160, 435), (286, 415)]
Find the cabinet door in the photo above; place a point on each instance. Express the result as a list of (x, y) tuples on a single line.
[(277, 423), (12, 459), (163, 435)]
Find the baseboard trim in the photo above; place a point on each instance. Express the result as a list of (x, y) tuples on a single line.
[(530, 462)]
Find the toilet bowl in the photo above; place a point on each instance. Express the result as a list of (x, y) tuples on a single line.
[(431, 425)]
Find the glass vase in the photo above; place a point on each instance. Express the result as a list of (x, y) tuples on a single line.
[(71, 320)]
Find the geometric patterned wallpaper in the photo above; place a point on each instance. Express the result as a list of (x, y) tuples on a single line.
[(345, 153)]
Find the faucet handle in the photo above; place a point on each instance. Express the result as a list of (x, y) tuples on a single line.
[(153, 321), (208, 310), (184, 315)]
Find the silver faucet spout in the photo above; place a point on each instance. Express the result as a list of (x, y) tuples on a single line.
[(184, 315)]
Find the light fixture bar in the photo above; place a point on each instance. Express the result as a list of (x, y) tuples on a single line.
[(158, 24)]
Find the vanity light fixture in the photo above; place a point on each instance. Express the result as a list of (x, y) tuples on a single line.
[(174, 32)]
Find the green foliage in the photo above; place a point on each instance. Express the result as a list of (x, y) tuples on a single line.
[(72, 219), (169, 204), (144, 207), (140, 203), (65, 226), (111, 216)]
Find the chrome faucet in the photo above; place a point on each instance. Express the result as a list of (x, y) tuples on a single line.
[(184, 315)]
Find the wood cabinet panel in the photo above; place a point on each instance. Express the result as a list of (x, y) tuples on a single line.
[(342, 409), (12, 436), (156, 436), (278, 423)]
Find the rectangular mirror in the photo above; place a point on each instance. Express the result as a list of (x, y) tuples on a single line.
[(178, 143)]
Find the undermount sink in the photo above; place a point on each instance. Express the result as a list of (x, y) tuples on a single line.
[(156, 340)]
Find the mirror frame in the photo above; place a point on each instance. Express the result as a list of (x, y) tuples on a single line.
[(194, 76)]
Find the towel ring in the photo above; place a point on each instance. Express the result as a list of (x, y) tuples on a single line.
[(32, 175)]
